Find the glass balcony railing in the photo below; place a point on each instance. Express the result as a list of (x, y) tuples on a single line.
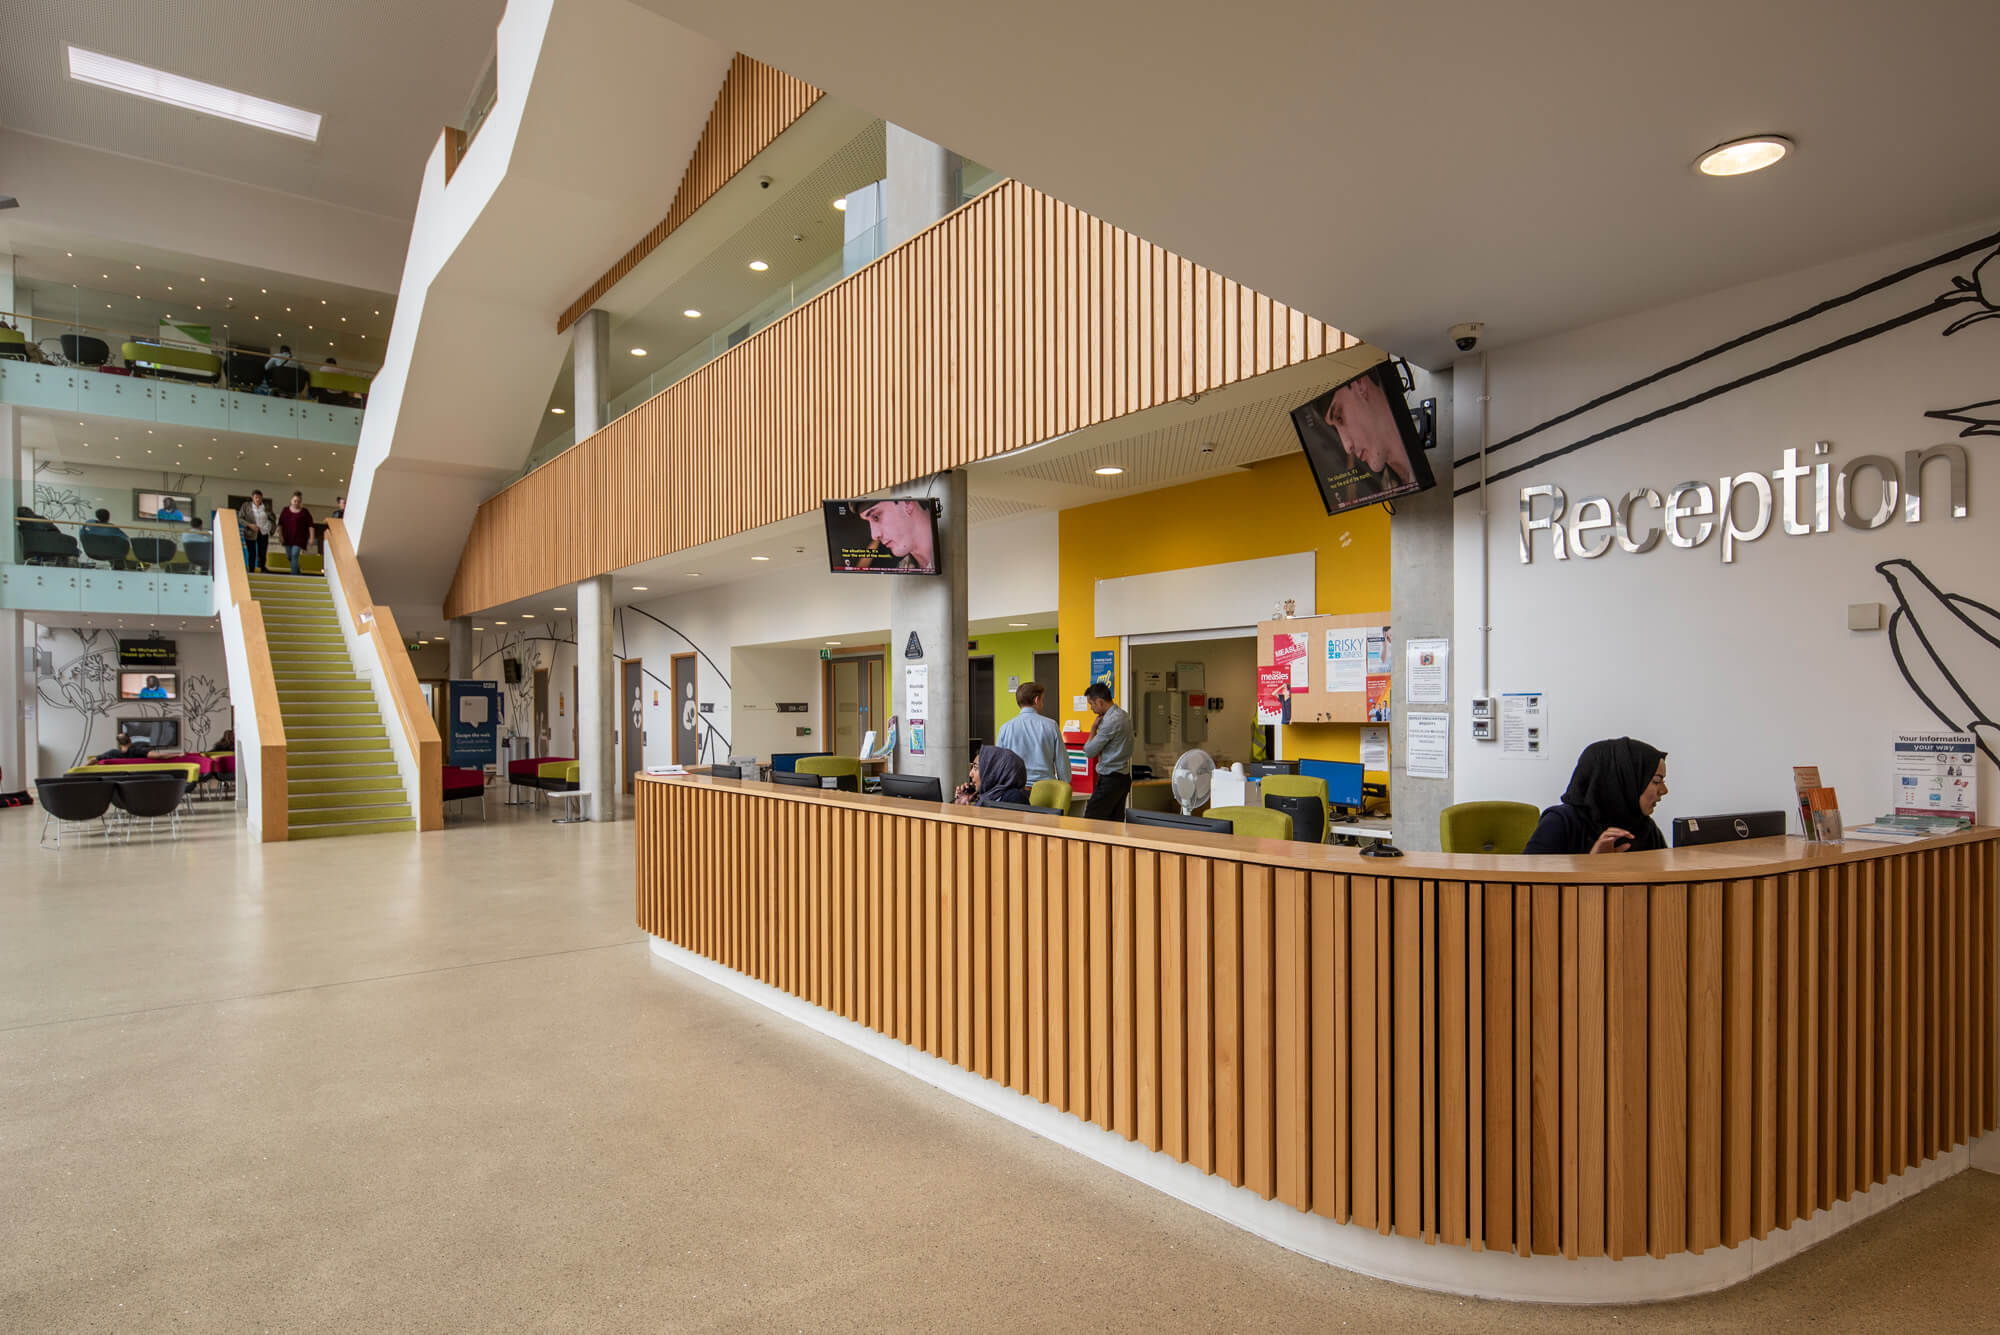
[(84, 351), (855, 255), (57, 565)]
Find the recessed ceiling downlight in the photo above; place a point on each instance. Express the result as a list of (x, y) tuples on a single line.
[(126, 76), (1109, 470), (1739, 157)]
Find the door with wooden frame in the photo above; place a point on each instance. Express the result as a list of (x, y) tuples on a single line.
[(851, 703), (687, 710), (632, 718)]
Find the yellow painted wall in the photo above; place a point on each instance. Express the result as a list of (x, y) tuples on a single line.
[(1269, 509)]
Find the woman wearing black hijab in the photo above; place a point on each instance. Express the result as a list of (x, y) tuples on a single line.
[(997, 776), (1608, 806)]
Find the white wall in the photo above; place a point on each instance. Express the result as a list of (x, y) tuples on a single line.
[(1739, 670), (1013, 573), (77, 688), (761, 678)]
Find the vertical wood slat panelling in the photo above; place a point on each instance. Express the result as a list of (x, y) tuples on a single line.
[(912, 370), (753, 107), (1562, 1069)]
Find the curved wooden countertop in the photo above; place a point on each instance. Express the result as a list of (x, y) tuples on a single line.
[(1709, 862), (1614, 1056)]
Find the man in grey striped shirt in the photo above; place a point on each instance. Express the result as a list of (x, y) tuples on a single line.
[(1110, 745)]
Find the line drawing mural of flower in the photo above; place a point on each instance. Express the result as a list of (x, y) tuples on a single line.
[(202, 699), (86, 684), (1982, 287), (1980, 419), (1947, 645)]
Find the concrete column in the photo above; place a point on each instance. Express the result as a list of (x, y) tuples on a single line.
[(596, 708), (458, 641), (590, 347), (17, 688), (922, 185), (934, 609), (1420, 602)]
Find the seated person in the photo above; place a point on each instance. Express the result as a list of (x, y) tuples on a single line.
[(996, 776), (125, 749), (227, 742), (1608, 806), (104, 526)]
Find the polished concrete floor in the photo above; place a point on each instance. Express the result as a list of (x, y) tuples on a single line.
[(437, 1083)]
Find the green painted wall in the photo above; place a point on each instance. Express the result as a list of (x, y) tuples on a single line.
[(1014, 656)]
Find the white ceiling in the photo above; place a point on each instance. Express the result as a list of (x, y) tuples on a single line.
[(386, 76), (117, 442), (1395, 168), (130, 289)]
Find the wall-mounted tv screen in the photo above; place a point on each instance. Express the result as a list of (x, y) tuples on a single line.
[(896, 536), (162, 734), (149, 686), (148, 653), (1361, 443), (163, 506)]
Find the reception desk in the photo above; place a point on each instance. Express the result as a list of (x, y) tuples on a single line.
[(1641, 1055)]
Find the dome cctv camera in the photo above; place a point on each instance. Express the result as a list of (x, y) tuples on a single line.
[(1466, 334), (763, 183)]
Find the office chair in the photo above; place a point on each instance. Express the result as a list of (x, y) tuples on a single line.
[(1487, 827), (1050, 795), (1301, 785), (1254, 822), (1308, 816), (844, 770)]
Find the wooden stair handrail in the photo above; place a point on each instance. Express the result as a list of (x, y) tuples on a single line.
[(413, 717), (272, 780)]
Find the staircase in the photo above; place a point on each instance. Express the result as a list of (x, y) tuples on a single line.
[(341, 775)]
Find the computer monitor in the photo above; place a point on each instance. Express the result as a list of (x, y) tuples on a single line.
[(1024, 806), (1727, 828), (1343, 781), (916, 787), (725, 771), (1174, 820), (161, 734), (1307, 813), (794, 779)]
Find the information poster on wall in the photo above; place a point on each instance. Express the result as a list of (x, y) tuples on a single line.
[(1378, 699), (916, 736), (1375, 748), (1378, 652), (1429, 668), (1274, 694), (917, 690), (1104, 667), (1936, 775), (1427, 744), (1293, 652), (1347, 660), (1524, 724)]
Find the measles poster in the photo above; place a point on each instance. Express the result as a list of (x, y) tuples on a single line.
[(1274, 694), (1291, 652)]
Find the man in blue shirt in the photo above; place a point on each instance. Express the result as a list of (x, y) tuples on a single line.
[(1034, 738)]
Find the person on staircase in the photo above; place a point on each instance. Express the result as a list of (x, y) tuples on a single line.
[(295, 526), (257, 521)]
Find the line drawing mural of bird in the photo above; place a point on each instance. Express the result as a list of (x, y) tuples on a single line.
[(1980, 419), (1947, 646), (1983, 287)]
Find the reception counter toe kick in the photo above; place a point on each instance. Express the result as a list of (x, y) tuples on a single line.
[(1559, 1079)]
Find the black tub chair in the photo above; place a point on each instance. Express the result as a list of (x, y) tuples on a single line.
[(148, 797), (287, 382), (83, 350), (43, 544), (153, 551), (113, 549), (80, 797)]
